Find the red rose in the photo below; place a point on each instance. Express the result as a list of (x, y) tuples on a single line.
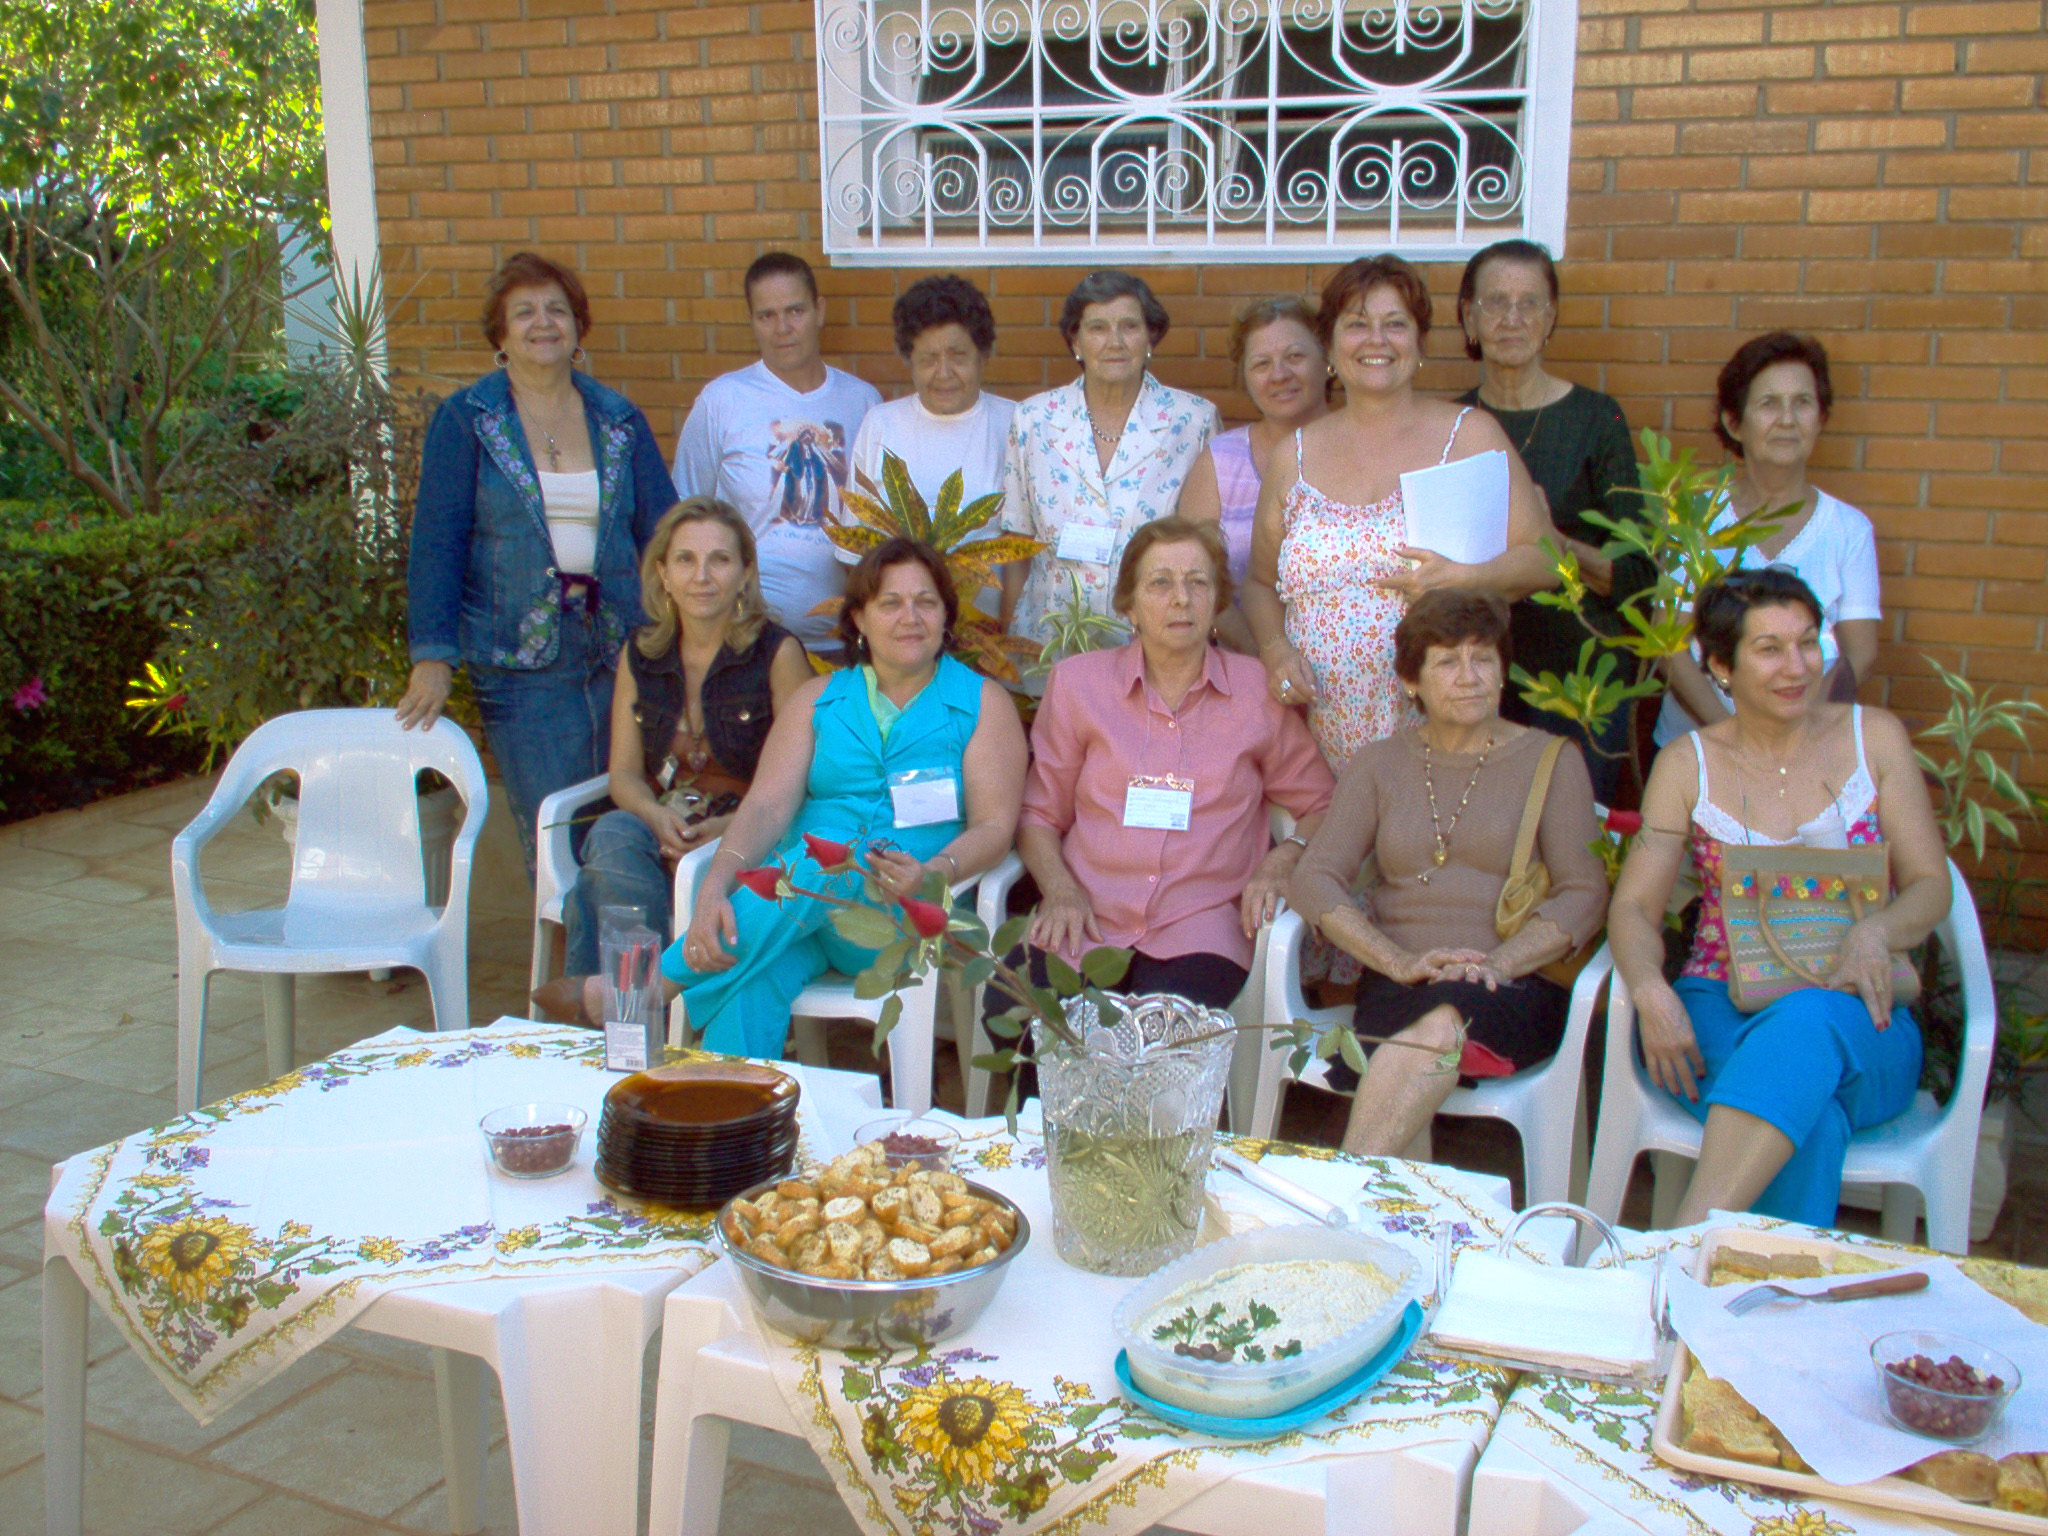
[(927, 917), (1627, 823), (1477, 1060), (762, 882), (831, 857)]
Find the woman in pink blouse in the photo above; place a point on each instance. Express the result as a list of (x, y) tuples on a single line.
[(1144, 818)]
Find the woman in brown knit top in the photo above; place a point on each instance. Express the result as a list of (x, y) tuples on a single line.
[(1439, 805)]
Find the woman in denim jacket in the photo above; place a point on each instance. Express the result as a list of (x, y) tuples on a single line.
[(538, 489)]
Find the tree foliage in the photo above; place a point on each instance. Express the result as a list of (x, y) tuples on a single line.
[(149, 152)]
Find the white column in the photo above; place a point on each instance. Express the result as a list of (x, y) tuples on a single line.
[(345, 107)]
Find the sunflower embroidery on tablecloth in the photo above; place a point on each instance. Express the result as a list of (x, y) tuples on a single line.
[(977, 1448)]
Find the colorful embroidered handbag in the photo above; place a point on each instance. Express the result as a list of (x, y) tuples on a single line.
[(1787, 909)]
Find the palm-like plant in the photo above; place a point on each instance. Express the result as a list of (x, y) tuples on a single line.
[(895, 509)]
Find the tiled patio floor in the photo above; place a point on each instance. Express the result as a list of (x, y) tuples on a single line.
[(345, 1441)]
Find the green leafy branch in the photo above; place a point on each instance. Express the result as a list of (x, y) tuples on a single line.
[(910, 934), (1971, 718), (1676, 534)]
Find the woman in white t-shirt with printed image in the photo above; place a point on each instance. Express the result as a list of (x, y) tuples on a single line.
[(946, 332), (1772, 399)]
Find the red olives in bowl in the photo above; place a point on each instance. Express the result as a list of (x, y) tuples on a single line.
[(1941, 1385)]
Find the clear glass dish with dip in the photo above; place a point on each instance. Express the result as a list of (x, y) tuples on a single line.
[(1301, 1308)]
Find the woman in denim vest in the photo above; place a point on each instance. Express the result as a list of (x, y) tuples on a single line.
[(696, 692), (538, 488)]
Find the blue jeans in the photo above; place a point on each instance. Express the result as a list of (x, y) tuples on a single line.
[(1814, 1066), (622, 866), (549, 728)]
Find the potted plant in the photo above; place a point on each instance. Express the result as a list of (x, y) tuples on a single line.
[(895, 509)]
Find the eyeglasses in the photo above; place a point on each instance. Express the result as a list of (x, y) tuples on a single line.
[(1163, 584), (1494, 307)]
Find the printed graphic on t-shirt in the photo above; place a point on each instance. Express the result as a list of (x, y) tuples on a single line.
[(807, 460)]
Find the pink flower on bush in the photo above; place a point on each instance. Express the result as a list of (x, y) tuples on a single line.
[(31, 695)]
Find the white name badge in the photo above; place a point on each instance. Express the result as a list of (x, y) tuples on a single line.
[(1086, 541), (1162, 804), (923, 796)]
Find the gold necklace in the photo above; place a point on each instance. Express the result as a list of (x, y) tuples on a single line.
[(1442, 832)]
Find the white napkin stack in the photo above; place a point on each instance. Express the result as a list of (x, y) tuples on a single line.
[(1596, 1321), (1806, 1366)]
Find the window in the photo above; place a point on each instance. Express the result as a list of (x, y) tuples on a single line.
[(1190, 130)]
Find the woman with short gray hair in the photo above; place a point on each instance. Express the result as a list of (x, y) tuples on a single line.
[(1093, 461)]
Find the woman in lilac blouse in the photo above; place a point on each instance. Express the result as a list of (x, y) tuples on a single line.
[(1144, 817), (1282, 366)]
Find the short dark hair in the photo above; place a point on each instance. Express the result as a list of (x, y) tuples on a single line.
[(780, 264), (866, 580), (948, 300), (527, 269), (1527, 252), (1449, 616), (1352, 282), (1104, 287), (1172, 529), (1731, 390), (1723, 606)]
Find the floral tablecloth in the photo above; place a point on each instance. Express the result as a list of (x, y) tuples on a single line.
[(1596, 1440), (1016, 1425), (234, 1239)]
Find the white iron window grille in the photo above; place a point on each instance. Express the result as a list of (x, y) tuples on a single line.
[(1191, 130)]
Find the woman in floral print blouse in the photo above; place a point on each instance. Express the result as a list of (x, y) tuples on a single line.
[(1093, 461)]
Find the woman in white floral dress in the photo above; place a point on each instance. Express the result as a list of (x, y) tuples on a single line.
[(1331, 571), (1095, 460)]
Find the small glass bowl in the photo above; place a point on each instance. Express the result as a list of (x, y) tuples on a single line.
[(533, 1141), (1955, 1417), (923, 1142)]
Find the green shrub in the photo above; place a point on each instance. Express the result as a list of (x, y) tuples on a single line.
[(83, 601)]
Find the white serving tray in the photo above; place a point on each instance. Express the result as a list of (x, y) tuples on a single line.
[(1885, 1492)]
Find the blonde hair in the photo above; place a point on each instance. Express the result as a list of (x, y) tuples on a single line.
[(658, 635)]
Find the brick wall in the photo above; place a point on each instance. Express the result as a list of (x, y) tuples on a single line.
[(1875, 173)]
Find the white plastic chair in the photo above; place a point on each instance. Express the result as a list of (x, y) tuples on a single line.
[(1928, 1154), (358, 894), (1545, 1104), (972, 1034), (554, 870), (830, 996)]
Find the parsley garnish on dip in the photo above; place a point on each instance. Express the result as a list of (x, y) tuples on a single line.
[(1253, 1313)]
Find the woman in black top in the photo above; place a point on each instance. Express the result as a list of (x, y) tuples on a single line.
[(1575, 445), (695, 694)]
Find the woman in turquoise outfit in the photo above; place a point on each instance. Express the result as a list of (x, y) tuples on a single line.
[(907, 751)]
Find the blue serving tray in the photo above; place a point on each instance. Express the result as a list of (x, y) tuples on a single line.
[(1356, 1384)]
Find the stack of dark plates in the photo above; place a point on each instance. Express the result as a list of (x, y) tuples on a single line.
[(697, 1134)]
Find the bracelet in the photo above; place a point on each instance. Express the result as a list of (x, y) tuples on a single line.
[(722, 850), (950, 860)]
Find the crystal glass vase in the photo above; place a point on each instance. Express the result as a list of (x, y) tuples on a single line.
[(1129, 1123)]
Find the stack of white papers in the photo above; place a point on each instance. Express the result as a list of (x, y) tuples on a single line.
[(1460, 509)]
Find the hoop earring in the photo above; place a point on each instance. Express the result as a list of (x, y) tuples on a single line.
[(502, 359), (579, 358)]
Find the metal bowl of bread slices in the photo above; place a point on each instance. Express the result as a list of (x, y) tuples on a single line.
[(858, 1254)]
